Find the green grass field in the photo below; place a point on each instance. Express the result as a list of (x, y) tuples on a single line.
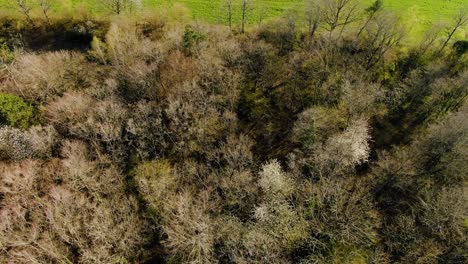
[(416, 14)]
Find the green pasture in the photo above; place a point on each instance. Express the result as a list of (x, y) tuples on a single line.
[(417, 15)]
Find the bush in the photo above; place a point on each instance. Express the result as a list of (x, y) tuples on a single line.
[(38, 142), (460, 47), (7, 56), (191, 39), (146, 131), (201, 122), (14, 144), (14, 111)]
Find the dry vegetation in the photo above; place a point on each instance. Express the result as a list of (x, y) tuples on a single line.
[(168, 142)]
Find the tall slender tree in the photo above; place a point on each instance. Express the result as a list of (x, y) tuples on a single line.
[(25, 7), (229, 8), (461, 19), (312, 15), (245, 9), (46, 6), (118, 6), (371, 12), (338, 13)]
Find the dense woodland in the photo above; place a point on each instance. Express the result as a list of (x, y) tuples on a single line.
[(154, 139)]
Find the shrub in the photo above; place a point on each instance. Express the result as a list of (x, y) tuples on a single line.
[(14, 144), (7, 56), (190, 40), (219, 81), (334, 226), (37, 142), (98, 51), (14, 111), (234, 154), (69, 111), (274, 228)]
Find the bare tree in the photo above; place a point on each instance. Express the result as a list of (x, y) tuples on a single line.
[(262, 12), (229, 8), (384, 33), (338, 13), (460, 21), (312, 15), (245, 8), (46, 6), (25, 7), (430, 37), (118, 6), (371, 12)]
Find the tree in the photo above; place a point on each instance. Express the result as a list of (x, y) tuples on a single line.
[(39, 77), (274, 182), (25, 7), (14, 111), (340, 153), (338, 13), (371, 12), (118, 6), (76, 209), (460, 21), (262, 13), (229, 7), (312, 16), (420, 190), (430, 37), (245, 9), (45, 6), (384, 33)]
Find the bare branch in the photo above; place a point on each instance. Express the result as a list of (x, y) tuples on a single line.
[(25, 7), (459, 21), (245, 8), (229, 8), (313, 15), (338, 13), (46, 6)]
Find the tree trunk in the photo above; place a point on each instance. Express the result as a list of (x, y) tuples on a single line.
[(243, 18)]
